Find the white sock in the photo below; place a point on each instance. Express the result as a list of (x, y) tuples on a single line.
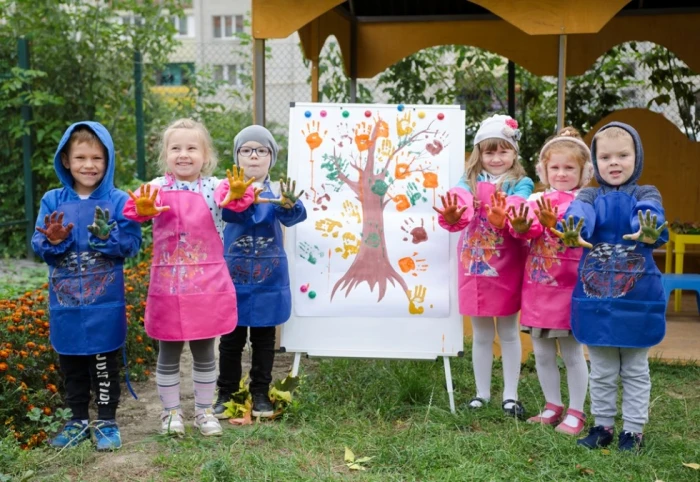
[(483, 334), (576, 375), (511, 352), (547, 371)]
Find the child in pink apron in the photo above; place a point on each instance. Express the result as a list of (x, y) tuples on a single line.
[(551, 268), (191, 296), (491, 260)]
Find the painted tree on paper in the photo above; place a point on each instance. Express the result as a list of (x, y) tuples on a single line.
[(371, 170)]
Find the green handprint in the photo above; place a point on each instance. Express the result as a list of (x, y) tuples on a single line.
[(287, 194), (648, 232), (571, 234), (101, 227)]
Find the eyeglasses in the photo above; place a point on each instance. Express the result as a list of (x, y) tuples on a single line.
[(260, 151)]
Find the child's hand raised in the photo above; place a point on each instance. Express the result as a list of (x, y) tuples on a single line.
[(496, 213), (287, 198), (101, 227), (521, 224), (236, 185), (648, 232), (546, 214), (146, 202), (451, 211), (571, 235), (53, 229)]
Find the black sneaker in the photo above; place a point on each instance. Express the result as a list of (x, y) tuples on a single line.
[(262, 406), (515, 410), (219, 409), (630, 441), (598, 436)]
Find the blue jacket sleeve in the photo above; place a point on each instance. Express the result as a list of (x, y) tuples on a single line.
[(523, 188), (656, 210), (125, 238), (45, 250), (582, 210), (290, 217), (233, 217)]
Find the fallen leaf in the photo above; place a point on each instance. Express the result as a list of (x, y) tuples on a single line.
[(605, 451), (349, 455), (693, 466), (362, 460), (356, 467)]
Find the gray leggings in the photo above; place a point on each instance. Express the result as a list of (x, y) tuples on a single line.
[(169, 353)]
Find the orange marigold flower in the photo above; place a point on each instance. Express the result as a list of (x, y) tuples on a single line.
[(10, 378), (4, 353), (149, 349), (140, 360), (52, 388), (20, 367), (47, 411), (147, 372), (24, 398), (40, 312), (3, 367), (139, 338), (30, 344), (23, 354), (40, 298), (45, 378)]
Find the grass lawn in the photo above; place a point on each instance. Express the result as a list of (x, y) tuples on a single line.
[(397, 413)]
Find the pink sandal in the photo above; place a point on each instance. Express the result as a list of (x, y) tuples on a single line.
[(553, 420), (568, 429)]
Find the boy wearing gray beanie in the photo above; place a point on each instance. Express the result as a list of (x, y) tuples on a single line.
[(257, 263)]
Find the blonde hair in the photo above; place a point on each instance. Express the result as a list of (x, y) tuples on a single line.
[(474, 166), (570, 143), (209, 153), (613, 132)]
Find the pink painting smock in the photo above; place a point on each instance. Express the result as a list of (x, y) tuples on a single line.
[(490, 260), (190, 295), (550, 269)]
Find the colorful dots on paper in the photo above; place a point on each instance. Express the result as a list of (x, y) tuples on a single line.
[(421, 114), (346, 114), (323, 113), (307, 114), (368, 113), (440, 116), (312, 294), (304, 288), (400, 107)]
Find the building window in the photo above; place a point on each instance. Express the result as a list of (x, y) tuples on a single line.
[(175, 74), (231, 74), (184, 26), (135, 20), (226, 26)]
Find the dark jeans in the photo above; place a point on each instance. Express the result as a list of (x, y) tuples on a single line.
[(231, 346), (101, 372)]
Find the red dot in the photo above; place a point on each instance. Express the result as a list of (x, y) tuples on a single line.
[(441, 116), (368, 113)]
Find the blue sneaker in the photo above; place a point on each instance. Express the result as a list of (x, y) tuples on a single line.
[(630, 442), (72, 433), (597, 437), (107, 435)]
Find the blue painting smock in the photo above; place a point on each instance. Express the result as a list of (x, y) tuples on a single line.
[(86, 284)]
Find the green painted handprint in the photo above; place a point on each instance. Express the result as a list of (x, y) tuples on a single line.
[(648, 232), (101, 226), (571, 234), (287, 194)]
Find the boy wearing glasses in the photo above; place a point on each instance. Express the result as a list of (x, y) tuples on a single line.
[(257, 264)]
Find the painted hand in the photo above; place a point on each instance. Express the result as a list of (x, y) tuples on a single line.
[(496, 213), (418, 296), (287, 198), (571, 235), (53, 229), (258, 200), (101, 227), (146, 202), (648, 232), (521, 224), (236, 185), (451, 211), (546, 214)]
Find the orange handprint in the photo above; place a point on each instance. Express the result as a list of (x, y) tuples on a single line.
[(382, 129), (313, 139), (402, 202), (410, 265), (362, 132)]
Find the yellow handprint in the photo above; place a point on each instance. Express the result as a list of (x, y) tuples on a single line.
[(327, 226), (350, 210), (351, 245), (415, 297), (385, 147), (404, 126)]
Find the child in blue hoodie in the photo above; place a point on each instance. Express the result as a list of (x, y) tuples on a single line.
[(618, 307), (85, 251)]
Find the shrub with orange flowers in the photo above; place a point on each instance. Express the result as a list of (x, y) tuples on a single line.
[(29, 370)]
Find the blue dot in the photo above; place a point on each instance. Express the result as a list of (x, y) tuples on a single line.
[(400, 107), (307, 113)]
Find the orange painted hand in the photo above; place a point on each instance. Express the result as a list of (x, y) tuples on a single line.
[(521, 224), (546, 214), (451, 211), (571, 235), (146, 202), (53, 229), (237, 185), (496, 213), (418, 296), (257, 191)]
